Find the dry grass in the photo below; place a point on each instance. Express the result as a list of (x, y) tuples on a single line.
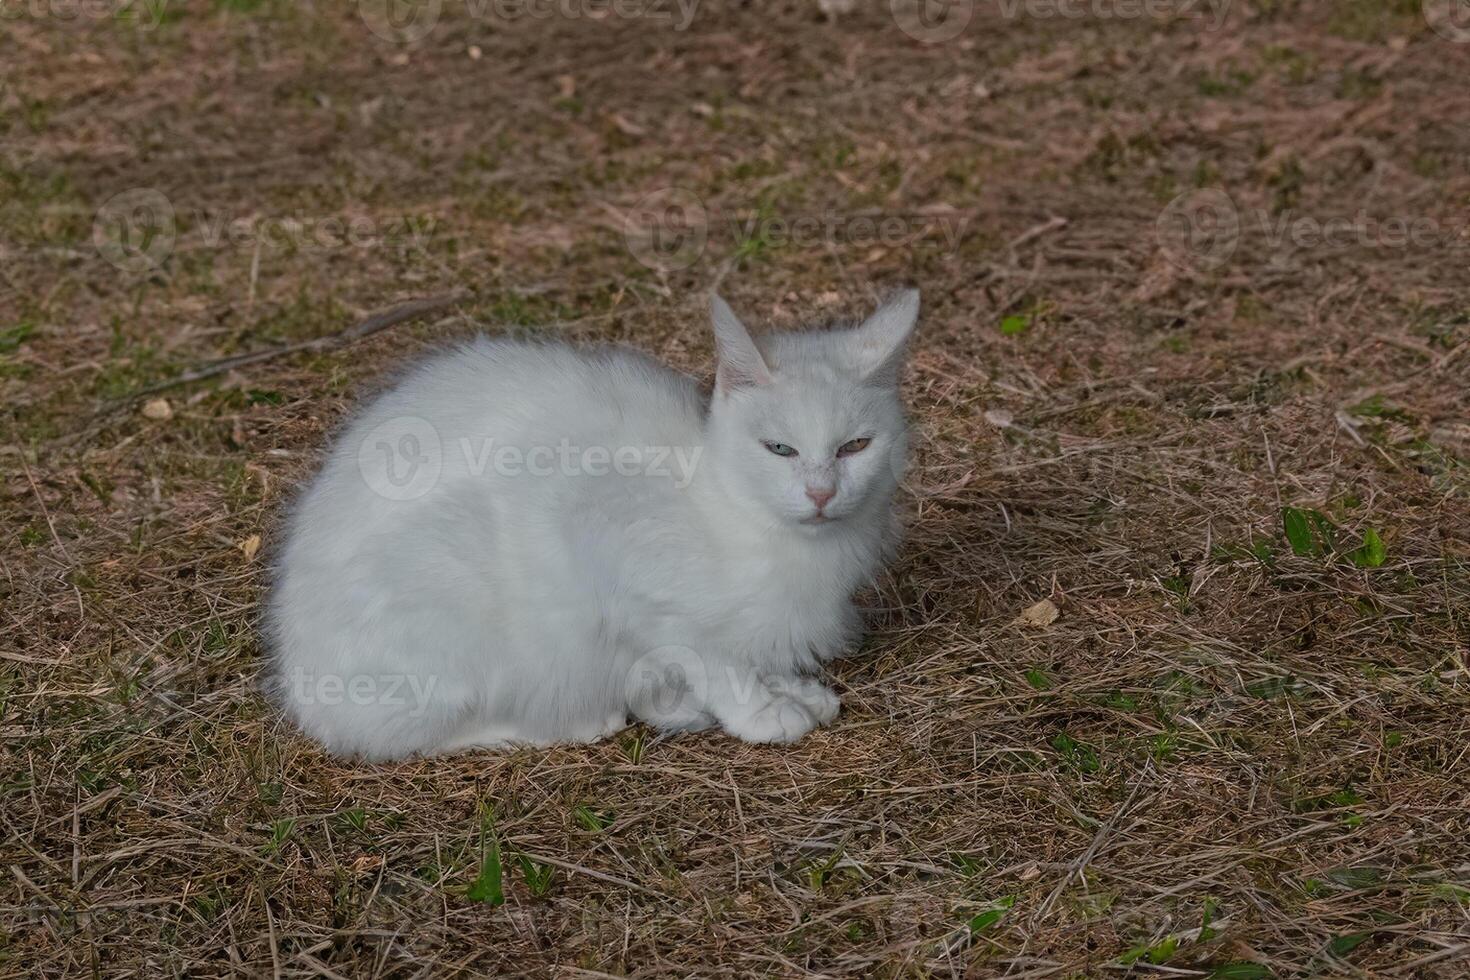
[(1214, 729)]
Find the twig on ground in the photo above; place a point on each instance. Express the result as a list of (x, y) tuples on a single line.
[(403, 313)]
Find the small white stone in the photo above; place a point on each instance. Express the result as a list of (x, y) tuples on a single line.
[(158, 409)]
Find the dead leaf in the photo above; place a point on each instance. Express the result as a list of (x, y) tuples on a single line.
[(1044, 613), (158, 409), (364, 863), (627, 126), (249, 546)]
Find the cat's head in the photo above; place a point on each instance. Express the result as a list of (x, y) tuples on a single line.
[(808, 426)]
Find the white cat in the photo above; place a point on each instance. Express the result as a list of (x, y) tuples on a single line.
[(526, 543)]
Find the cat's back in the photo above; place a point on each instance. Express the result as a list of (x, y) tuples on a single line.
[(481, 456), (518, 390)]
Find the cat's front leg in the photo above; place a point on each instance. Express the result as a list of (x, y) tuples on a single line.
[(676, 689), (669, 689), (772, 708)]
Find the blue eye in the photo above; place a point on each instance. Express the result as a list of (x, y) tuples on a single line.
[(780, 448)]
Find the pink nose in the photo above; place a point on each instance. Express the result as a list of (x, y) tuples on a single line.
[(820, 496)]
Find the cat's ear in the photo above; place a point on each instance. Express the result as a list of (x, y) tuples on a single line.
[(878, 345), (740, 364)]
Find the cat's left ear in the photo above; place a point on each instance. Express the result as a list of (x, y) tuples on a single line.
[(878, 345)]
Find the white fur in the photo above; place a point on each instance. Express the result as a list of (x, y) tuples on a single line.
[(432, 597)]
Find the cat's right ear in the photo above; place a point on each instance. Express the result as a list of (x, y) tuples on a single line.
[(878, 344), (739, 364)]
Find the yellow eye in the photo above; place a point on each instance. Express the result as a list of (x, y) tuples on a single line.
[(853, 446)]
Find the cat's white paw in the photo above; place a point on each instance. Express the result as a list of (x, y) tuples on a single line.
[(782, 719), (816, 697), (787, 708)]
